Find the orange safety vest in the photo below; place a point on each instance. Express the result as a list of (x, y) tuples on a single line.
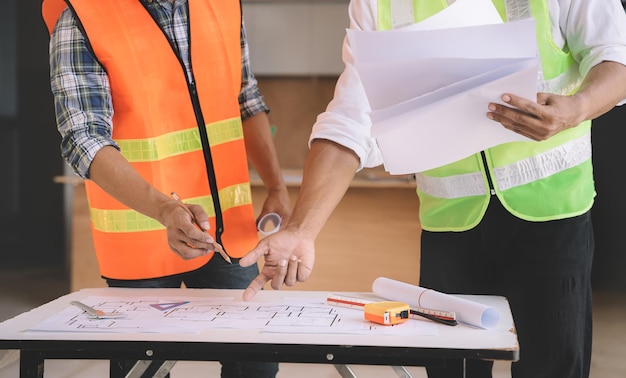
[(164, 125)]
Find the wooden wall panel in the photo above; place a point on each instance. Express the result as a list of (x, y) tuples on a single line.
[(294, 104), (373, 232)]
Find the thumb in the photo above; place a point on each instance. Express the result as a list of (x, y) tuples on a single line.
[(542, 98), (201, 217), (254, 255)]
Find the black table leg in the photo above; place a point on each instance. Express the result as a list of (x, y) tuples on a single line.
[(31, 364)]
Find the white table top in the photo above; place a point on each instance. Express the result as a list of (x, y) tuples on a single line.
[(15, 333)]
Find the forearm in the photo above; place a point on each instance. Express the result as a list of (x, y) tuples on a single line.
[(328, 172), (114, 174), (262, 152), (602, 89)]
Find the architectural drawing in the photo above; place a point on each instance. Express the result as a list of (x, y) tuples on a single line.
[(194, 315)]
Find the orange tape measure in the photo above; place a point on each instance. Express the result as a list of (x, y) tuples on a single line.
[(387, 313)]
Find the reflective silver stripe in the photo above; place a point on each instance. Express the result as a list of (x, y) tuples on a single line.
[(564, 84), (470, 184), (535, 168), (517, 9), (546, 164), (567, 82)]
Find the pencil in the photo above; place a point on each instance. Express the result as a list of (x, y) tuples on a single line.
[(218, 248)]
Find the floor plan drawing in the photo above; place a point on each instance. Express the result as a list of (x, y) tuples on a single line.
[(263, 315), (193, 315)]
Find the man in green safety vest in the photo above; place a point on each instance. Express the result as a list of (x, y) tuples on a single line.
[(512, 220)]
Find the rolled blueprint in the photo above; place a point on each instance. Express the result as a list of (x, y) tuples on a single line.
[(467, 311)]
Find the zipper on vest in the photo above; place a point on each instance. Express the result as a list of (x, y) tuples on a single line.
[(208, 160), (492, 191), (204, 138)]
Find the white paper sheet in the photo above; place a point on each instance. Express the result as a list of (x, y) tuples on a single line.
[(471, 42), (437, 132), (429, 89), (193, 315), (459, 14), (468, 312)]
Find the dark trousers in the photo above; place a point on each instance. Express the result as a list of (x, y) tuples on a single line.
[(216, 274), (544, 270)]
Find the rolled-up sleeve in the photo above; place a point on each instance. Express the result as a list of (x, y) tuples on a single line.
[(251, 101), (594, 31), (82, 97), (346, 119)]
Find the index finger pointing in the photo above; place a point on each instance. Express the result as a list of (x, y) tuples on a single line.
[(254, 287)]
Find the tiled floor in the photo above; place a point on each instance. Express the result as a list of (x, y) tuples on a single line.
[(22, 290)]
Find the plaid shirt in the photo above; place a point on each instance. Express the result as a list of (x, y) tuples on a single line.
[(81, 88)]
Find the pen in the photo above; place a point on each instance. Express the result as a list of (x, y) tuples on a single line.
[(218, 248)]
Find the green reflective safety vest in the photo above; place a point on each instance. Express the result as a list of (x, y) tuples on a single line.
[(535, 181)]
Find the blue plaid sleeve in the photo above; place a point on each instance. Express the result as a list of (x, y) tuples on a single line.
[(250, 99), (82, 96)]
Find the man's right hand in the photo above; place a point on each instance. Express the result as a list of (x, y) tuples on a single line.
[(186, 234), (288, 258)]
